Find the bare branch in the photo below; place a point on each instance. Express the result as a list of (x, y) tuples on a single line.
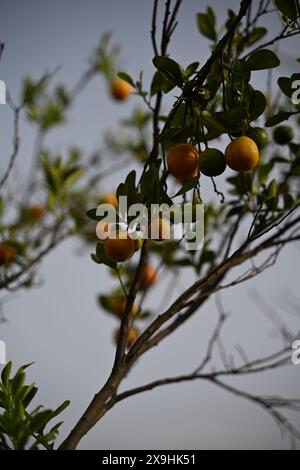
[(16, 140)]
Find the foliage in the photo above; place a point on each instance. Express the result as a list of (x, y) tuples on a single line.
[(21, 429), (213, 104)]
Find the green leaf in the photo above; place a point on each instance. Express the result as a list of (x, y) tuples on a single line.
[(6, 373), (208, 256), (264, 171), (258, 105), (95, 258), (272, 203), (31, 392), (61, 408), (191, 69), (288, 201), (272, 189), (188, 186), (278, 118), (170, 68), (206, 24), (17, 383), (285, 86), (127, 78), (130, 181), (256, 35), (232, 118), (161, 83), (102, 258), (92, 214), (262, 59), (287, 8), (39, 421)]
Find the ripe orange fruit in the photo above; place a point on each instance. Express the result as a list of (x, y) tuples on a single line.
[(110, 198), (183, 161), (118, 305), (132, 336), (149, 277), (120, 90), (7, 254), (120, 248), (242, 154), (283, 135), (212, 162), (37, 212), (159, 230)]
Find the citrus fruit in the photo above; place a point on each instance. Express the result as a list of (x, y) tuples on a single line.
[(260, 137), (183, 162), (148, 277), (212, 162), (132, 336), (120, 248), (7, 254), (120, 90), (110, 198), (283, 135), (37, 212), (118, 305), (242, 154)]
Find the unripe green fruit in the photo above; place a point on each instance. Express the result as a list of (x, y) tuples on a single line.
[(283, 135), (260, 137), (212, 162)]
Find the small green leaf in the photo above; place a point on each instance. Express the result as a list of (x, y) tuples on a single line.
[(170, 68), (161, 83), (127, 78), (102, 258), (258, 105), (188, 186), (287, 8), (288, 201), (256, 35), (264, 171), (272, 189), (278, 118), (95, 258), (6, 373), (263, 59), (61, 408), (206, 24), (272, 203), (191, 69), (92, 214), (285, 85)]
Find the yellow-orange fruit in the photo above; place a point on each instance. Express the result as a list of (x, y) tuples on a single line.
[(7, 254), (183, 162), (159, 230), (110, 198), (38, 212), (242, 154), (149, 277), (118, 307), (132, 336), (120, 90), (120, 248)]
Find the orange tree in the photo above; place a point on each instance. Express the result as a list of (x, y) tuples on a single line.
[(256, 213)]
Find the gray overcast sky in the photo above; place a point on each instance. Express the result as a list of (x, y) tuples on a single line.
[(59, 325)]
